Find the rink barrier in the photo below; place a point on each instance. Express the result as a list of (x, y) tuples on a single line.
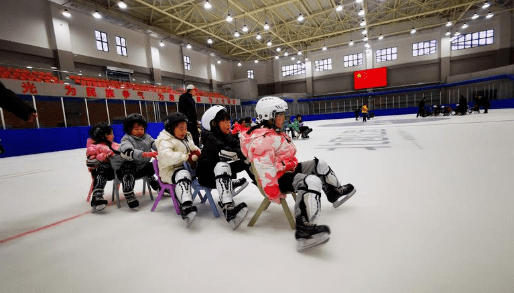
[(19, 142)]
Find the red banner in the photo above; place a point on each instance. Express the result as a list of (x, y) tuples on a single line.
[(370, 78)]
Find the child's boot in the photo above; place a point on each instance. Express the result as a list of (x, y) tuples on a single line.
[(132, 202), (98, 202), (310, 235), (188, 212), (234, 214)]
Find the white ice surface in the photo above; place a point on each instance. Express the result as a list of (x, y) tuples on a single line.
[(433, 212)]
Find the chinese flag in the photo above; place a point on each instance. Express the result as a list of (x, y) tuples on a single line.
[(370, 78)]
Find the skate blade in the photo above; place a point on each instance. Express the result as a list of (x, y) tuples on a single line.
[(98, 208), (190, 218), (239, 218), (316, 240), (342, 200), (239, 189)]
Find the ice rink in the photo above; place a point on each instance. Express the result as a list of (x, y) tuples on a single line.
[(433, 212)]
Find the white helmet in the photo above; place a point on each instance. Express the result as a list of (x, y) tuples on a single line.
[(268, 107), (209, 115)]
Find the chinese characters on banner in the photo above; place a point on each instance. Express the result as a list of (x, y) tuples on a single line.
[(89, 92)]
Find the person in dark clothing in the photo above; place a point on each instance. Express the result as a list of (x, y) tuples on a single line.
[(486, 104), (11, 102), (357, 113), (421, 110), (462, 108), (187, 106), (220, 161)]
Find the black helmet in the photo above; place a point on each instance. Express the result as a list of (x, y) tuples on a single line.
[(171, 121), (128, 124), (99, 131)]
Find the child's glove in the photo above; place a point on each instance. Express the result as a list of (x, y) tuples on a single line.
[(290, 165), (273, 193), (128, 154), (191, 158), (150, 154), (92, 163)]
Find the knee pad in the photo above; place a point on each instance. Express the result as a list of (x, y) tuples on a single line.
[(182, 179), (222, 169), (308, 197), (324, 170), (181, 175)]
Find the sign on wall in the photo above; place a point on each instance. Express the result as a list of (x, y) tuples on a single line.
[(21, 87)]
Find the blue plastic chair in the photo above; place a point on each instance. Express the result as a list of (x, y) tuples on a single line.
[(197, 188)]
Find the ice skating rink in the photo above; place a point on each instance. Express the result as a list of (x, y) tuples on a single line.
[(433, 212)]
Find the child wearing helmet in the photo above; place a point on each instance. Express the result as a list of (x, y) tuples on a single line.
[(273, 154), (175, 146), (222, 153), (99, 149), (136, 150)]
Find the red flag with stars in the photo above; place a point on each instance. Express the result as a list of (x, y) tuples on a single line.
[(370, 78)]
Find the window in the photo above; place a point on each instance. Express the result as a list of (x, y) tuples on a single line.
[(187, 63), (471, 40), (352, 60), (323, 64), (101, 41), (121, 46), (295, 69), (424, 48), (387, 54), (249, 73)]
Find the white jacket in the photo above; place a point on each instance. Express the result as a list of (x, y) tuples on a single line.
[(172, 153)]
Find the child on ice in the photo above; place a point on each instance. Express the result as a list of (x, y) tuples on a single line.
[(273, 155), (175, 146)]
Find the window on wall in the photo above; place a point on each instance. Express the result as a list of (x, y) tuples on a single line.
[(249, 73), (295, 69), (424, 48), (121, 46), (352, 60), (101, 41), (471, 40), (323, 64), (187, 63), (387, 54)]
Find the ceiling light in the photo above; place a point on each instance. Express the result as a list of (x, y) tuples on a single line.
[(286, 54), (457, 33), (256, 61), (161, 44), (276, 57), (449, 23), (229, 18), (448, 33), (367, 45), (298, 61), (486, 4), (475, 16), (188, 46), (219, 61), (413, 31), (351, 43), (207, 5), (239, 64), (364, 31), (122, 4), (266, 26), (209, 41), (300, 52), (489, 15), (381, 37), (361, 12), (358, 1), (339, 7), (66, 13), (363, 23), (292, 58), (29, 66), (465, 25), (365, 38), (324, 48), (245, 28), (236, 34), (306, 59), (258, 37), (269, 43), (278, 49), (97, 14), (300, 17)]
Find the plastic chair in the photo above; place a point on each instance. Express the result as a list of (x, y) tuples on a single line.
[(266, 202), (197, 188), (164, 186), (116, 188)]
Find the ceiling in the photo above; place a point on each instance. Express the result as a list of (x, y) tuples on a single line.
[(190, 22)]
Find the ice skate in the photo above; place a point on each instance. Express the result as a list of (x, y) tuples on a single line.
[(234, 214), (132, 202), (188, 212), (339, 195), (310, 235), (154, 183), (238, 185), (98, 202)]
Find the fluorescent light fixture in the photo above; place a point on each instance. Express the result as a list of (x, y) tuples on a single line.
[(122, 4), (489, 15), (465, 25), (66, 13), (457, 33), (256, 61), (97, 14), (381, 37), (486, 4), (449, 23), (448, 33), (413, 31), (475, 16), (358, 1)]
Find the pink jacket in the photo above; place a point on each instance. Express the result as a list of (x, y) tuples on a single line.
[(272, 154), (100, 151)]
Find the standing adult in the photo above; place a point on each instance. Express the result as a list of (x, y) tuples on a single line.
[(12, 103), (421, 110), (364, 112), (187, 106)]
